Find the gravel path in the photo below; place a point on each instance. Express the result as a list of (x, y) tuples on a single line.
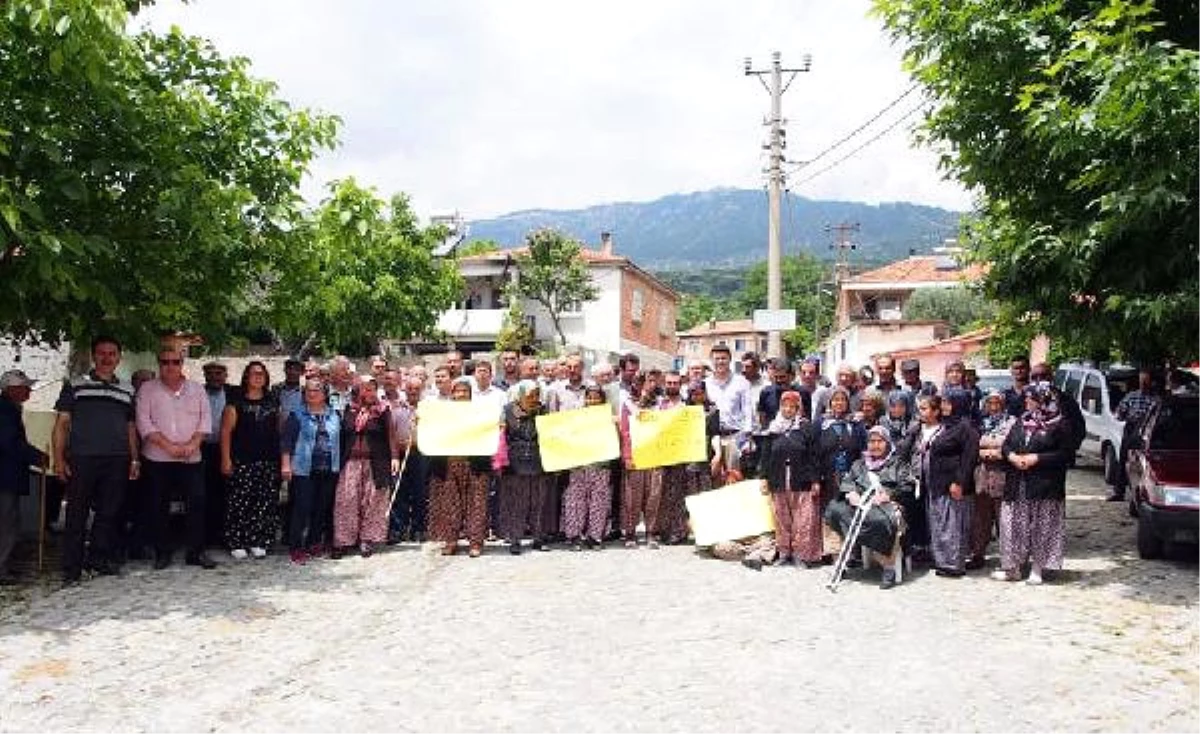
[(619, 640)]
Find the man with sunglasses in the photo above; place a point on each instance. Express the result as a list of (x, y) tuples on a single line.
[(96, 452), (173, 417)]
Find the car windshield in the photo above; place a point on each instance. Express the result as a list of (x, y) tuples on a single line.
[(1176, 427)]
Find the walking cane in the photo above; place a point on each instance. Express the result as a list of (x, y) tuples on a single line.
[(399, 474), (860, 515), (42, 508)]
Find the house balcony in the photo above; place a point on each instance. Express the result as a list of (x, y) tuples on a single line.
[(472, 323)]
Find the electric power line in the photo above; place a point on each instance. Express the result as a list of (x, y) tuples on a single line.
[(857, 130), (853, 152)]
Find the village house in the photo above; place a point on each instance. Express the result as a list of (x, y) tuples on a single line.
[(870, 315), (739, 335), (635, 311)]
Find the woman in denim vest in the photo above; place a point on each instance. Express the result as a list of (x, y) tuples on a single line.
[(311, 458)]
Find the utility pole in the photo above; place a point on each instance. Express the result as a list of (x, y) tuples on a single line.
[(843, 245), (775, 179)]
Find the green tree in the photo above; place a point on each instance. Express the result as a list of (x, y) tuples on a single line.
[(515, 334), (963, 308), (553, 274), (146, 183), (695, 309), (477, 247), (1074, 123), (363, 270), (804, 289)]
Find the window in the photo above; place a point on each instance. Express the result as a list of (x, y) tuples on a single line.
[(694, 347), (843, 348), (637, 304), (739, 345), (1090, 398), (762, 346), (1072, 386), (666, 323)]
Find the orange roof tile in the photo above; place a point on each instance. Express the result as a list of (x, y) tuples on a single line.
[(919, 269), (737, 326)]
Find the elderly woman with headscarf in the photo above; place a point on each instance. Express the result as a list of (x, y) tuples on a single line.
[(641, 489), (371, 456), (524, 486), (944, 452), (881, 467), (842, 441), (791, 468), (458, 488), (991, 475), (1031, 516), (587, 499)]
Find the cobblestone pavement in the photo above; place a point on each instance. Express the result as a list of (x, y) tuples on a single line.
[(617, 640)]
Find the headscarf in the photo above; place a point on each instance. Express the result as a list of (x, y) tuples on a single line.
[(699, 386), (960, 404), (780, 424), (989, 423), (872, 463), (831, 419), (364, 412), (1046, 415), (523, 388)]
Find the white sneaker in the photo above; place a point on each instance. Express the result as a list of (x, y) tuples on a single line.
[(1003, 575), (258, 552), (1035, 578), (238, 553)]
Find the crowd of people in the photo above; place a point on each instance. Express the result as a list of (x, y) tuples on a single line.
[(326, 462)]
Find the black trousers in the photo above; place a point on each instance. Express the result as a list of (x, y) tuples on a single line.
[(312, 510), (96, 482), (215, 499), (166, 479)]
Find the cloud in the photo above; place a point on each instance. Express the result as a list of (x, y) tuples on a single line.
[(489, 107)]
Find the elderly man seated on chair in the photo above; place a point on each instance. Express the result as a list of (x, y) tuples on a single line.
[(881, 467)]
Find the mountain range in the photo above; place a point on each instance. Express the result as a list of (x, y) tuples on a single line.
[(728, 227)]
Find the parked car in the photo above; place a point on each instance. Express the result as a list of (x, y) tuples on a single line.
[(1098, 394), (988, 379), (1164, 476)]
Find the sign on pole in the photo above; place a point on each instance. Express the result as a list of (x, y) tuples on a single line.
[(777, 319)]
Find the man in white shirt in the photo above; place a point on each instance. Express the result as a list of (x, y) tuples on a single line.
[(731, 394), (486, 390)]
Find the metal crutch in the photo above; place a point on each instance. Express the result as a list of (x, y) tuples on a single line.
[(848, 543)]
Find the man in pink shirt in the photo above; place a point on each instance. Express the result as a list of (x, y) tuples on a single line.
[(173, 416)]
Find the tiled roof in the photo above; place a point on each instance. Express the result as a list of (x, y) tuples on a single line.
[(591, 256), (738, 326), (919, 269)]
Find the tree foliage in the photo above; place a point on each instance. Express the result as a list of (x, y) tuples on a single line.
[(1075, 124), (146, 182), (515, 334), (362, 270), (553, 274), (963, 308)]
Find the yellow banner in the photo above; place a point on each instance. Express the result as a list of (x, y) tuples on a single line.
[(577, 438), (732, 512), (666, 437), (452, 428)]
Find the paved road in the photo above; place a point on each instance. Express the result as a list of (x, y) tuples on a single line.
[(617, 640)]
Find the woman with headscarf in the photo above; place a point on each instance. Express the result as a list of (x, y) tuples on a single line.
[(895, 420), (842, 441), (880, 466), (690, 478), (991, 475), (587, 499), (791, 471), (458, 488), (371, 457), (945, 447), (641, 489), (524, 486), (1031, 516)]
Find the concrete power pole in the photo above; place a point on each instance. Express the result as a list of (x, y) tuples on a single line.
[(775, 180)]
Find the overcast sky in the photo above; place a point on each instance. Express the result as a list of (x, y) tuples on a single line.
[(487, 107)]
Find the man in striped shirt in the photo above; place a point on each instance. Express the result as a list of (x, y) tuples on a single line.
[(95, 447)]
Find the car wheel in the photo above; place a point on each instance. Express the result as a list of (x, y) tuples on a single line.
[(1148, 545), (1110, 466)]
